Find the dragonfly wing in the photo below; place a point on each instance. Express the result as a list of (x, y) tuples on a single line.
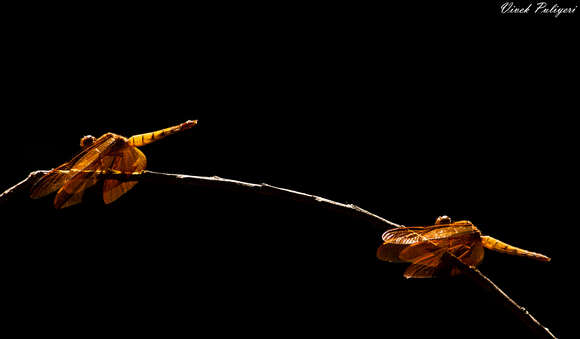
[(426, 266), (408, 235), (429, 239), (429, 271), (426, 257), (420, 271), (72, 192), (424, 246), (66, 200), (420, 250), (84, 172), (101, 148), (411, 235), (469, 255), (57, 178), (390, 252), (88, 179), (398, 239), (51, 181), (129, 160)]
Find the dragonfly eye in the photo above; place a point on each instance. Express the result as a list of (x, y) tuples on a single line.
[(87, 140), (443, 220)]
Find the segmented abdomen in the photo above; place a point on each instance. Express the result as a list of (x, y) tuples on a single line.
[(500, 246), (147, 138)]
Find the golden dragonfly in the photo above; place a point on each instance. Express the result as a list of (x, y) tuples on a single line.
[(424, 246), (108, 153)]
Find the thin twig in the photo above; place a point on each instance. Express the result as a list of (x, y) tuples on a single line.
[(23, 186), (348, 209), (265, 189)]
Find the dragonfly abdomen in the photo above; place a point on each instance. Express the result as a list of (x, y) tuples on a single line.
[(500, 246), (147, 138)]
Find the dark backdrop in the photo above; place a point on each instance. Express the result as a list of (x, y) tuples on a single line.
[(409, 113)]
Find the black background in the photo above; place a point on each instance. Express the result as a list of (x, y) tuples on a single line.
[(409, 112)]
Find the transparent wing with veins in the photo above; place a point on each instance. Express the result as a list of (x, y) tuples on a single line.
[(423, 247)]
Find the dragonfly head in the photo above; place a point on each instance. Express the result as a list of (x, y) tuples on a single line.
[(87, 141), (442, 220)]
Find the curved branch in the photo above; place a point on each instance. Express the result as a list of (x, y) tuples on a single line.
[(266, 189), (21, 187)]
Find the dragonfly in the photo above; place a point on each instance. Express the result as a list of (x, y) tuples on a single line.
[(110, 153), (424, 246)]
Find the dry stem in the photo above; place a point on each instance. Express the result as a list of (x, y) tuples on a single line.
[(349, 209)]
